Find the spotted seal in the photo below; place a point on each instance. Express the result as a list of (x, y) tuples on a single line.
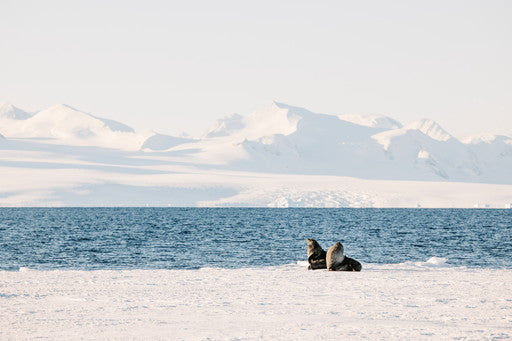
[(316, 255), (337, 261)]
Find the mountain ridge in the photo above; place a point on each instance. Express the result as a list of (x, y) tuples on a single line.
[(280, 138)]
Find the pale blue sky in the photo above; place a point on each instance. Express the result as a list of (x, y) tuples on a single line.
[(180, 65)]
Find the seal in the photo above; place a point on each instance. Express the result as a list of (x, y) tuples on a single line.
[(316, 255), (337, 261)]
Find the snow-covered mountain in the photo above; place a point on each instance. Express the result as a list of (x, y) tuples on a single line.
[(281, 138), (425, 148), (10, 112), (494, 155), (284, 139), (278, 156), (66, 125), (225, 126)]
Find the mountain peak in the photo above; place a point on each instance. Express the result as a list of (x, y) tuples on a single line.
[(225, 126), (430, 128), (7, 110), (290, 108), (281, 105), (276, 118), (65, 111), (6, 106)]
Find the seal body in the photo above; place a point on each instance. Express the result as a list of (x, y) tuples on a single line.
[(337, 261), (316, 255)]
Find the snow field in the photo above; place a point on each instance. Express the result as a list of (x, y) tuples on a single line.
[(424, 300)]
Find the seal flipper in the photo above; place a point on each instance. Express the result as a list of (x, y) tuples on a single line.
[(318, 264), (348, 264), (353, 264), (317, 261)]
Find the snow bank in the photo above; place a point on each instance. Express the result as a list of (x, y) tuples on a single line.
[(394, 301)]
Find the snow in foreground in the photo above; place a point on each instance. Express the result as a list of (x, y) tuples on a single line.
[(412, 300)]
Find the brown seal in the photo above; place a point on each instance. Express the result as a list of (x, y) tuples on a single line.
[(337, 261), (316, 255)]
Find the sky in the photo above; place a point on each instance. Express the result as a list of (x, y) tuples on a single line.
[(174, 66)]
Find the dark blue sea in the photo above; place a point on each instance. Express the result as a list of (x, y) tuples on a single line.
[(192, 238)]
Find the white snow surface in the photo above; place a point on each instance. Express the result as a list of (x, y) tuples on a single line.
[(413, 300), (431, 129), (487, 139), (374, 121), (10, 112), (69, 126), (278, 156), (226, 126)]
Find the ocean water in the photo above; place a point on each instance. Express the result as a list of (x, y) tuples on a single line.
[(192, 238)]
